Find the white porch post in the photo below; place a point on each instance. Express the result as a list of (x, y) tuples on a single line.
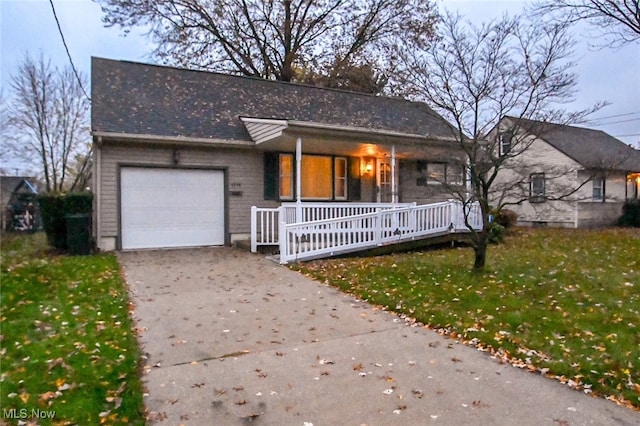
[(394, 189), (298, 180), (467, 178)]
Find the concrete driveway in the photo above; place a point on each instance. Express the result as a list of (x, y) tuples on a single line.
[(231, 338)]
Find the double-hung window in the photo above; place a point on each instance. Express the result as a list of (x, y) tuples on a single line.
[(537, 188), (598, 188), (505, 140), (439, 173), (340, 178), (286, 177)]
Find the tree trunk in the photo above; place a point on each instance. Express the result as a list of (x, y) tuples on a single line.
[(480, 252)]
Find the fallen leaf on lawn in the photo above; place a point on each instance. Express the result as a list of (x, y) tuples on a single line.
[(65, 386), (116, 400), (47, 396)]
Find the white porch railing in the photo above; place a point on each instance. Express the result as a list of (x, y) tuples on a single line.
[(321, 211), (334, 233), (265, 221)]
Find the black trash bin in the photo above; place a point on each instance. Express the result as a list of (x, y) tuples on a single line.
[(79, 233)]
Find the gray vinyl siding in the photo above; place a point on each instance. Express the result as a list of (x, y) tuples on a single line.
[(244, 178)]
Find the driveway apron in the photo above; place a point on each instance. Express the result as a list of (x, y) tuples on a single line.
[(231, 338)]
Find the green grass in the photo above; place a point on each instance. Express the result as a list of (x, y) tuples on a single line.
[(565, 303), (69, 349)]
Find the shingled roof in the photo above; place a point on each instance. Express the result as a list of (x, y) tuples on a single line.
[(140, 99), (589, 147)]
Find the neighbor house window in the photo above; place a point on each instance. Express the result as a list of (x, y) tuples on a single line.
[(506, 139), (340, 178), (537, 188), (598, 188), (286, 176)]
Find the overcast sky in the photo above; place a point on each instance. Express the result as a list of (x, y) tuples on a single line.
[(28, 26)]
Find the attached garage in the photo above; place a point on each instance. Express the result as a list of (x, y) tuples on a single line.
[(163, 208)]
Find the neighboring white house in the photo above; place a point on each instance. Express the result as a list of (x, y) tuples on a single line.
[(564, 176)]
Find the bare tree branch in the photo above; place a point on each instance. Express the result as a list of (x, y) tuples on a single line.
[(277, 39), (47, 119), (475, 76), (617, 20)]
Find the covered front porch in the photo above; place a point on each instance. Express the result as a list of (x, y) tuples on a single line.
[(316, 162), (344, 189)]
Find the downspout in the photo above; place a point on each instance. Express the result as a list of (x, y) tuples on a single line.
[(298, 180), (97, 189), (576, 210)]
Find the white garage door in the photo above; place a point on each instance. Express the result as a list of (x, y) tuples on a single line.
[(171, 208)]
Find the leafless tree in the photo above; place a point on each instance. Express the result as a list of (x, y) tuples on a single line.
[(278, 39), (47, 120), (477, 75), (617, 20)]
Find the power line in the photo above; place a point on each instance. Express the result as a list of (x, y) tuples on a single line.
[(73, 67), (616, 122), (612, 116), (622, 136)]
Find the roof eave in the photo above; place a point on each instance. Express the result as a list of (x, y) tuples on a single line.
[(267, 130), (171, 140)]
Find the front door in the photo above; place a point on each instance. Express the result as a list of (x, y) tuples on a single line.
[(383, 180)]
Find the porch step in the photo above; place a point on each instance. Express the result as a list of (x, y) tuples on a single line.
[(246, 245)]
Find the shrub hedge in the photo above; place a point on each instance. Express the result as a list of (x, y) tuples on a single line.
[(630, 214), (53, 209)]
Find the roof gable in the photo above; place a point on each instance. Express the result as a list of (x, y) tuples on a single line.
[(140, 99), (591, 148), (10, 185)]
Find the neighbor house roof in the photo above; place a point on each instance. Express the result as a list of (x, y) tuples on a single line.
[(139, 99), (9, 185), (589, 147)]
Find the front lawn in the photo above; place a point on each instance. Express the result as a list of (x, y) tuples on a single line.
[(69, 351), (564, 303)]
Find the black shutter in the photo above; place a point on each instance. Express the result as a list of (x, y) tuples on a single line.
[(353, 179), (271, 160)]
